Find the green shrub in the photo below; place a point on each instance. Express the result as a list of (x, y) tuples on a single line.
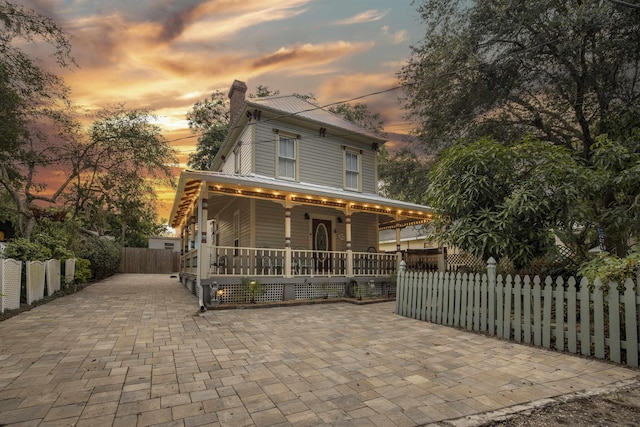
[(22, 249), (83, 270), (57, 236), (102, 254), (81, 275), (610, 268), (252, 287)]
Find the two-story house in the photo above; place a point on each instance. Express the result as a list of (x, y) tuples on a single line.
[(291, 200)]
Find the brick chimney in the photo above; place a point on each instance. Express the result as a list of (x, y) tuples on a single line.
[(236, 98)]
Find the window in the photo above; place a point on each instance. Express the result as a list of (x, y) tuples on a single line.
[(169, 246), (352, 171), (286, 157), (237, 159)]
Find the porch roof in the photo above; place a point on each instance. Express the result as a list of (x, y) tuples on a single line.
[(259, 186)]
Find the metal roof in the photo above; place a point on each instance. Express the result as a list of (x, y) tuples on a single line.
[(190, 182), (292, 105)]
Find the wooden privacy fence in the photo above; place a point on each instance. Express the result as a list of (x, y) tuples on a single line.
[(149, 261), (580, 318)]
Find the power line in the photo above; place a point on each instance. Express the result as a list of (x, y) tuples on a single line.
[(401, 86)]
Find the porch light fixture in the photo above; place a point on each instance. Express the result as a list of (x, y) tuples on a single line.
[(339, 220), (306, 215), (220, 292)]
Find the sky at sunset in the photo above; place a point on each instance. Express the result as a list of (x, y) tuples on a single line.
[(165, 55)]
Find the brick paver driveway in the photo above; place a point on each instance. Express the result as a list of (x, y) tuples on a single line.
[(132, 350)]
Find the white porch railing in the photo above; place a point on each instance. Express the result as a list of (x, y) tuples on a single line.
[(247, 261), (189, 262)]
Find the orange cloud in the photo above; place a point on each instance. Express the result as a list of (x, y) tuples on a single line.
[(215, 24), (309, 55), (367, 16)]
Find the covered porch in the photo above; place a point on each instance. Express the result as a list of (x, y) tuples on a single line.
[(296, 232)]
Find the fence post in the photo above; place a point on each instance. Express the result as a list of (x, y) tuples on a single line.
[(442, 260), (491, 294), (491, 271)]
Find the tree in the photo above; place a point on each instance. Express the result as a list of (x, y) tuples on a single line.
[(37, 124), (264, 91), (554, 68), (41, 136), (505, 200), (361, 115), (403, 176), (209, 119), (31, 83), (122, 161), (615, 191)]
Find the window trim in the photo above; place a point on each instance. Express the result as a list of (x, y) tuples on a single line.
[(296, 151), (358, 154), (237, 159)]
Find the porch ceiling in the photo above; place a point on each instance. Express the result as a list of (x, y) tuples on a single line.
[(262, 187)]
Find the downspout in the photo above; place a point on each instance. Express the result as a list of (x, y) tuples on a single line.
[(398, 248)]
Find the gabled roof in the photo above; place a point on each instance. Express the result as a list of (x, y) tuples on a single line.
[(292, 105)]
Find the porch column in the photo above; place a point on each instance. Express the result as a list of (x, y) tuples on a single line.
[(201, 246), (192, 231), (185, 235), (287, 239), (347, 215), (398, 248)]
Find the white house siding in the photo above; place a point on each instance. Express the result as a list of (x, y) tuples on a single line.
[(299, 228), (369, 172), (228, 165), (269, 226), (320, 161), (225, 222), (246, 167), (246, 152), (364, 231), (265, 149)]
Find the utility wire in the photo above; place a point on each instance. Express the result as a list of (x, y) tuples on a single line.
[(379, 92)]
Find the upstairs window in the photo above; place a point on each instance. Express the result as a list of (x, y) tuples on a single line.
[(287, 157), (237, 159), (352, 171)]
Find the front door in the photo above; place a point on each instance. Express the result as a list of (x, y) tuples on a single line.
[(322, 244)]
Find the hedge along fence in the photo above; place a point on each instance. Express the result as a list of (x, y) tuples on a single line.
[(37, 274), (589, 319)]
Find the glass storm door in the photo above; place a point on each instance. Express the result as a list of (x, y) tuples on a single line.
[(322, 244)]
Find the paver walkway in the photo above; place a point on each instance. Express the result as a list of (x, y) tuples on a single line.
[(132, 351)]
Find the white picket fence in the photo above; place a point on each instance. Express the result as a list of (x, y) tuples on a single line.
[(38, 274), (589, 319)]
